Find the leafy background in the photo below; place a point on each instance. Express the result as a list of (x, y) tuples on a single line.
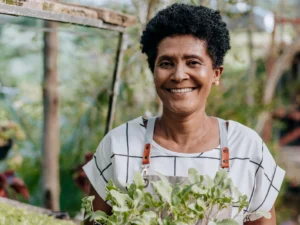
[(86, 61)]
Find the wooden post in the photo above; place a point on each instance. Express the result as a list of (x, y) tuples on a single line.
[(252, 64), (115, 84), (158, 106), (51, 131), (272, 49), (281, 25), (280, 65), (151, 6)]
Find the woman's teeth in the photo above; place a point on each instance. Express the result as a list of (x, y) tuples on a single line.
[(181, 90)]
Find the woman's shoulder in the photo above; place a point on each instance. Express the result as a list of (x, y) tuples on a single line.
[(129, 128), (236, 128), (124, 136), (244, 140)]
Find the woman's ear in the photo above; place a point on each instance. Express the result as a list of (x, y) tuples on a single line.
[(217, 75)]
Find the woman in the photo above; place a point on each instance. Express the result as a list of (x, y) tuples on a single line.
[(185, 46)]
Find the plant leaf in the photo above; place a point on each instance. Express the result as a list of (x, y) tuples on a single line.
[(163, 188), (137, 197), (199, 190), (220, 177), (227, 222), (193, 176), (209, 182), (138, 180), (99, 216), (120, 199), (211, 223), (264, 213)]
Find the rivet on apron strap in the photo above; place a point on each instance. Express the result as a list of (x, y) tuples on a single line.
[(147, 148), (225, 158), (146, 155), (224, 152), (146, 158)]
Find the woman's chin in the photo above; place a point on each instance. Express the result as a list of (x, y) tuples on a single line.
[(180, 109)]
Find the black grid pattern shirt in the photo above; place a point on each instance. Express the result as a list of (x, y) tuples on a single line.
[(252, 167)]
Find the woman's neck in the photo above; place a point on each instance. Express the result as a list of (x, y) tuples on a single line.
[(184, 130)]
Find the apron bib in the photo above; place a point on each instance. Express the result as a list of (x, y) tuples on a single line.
[(224, 163)]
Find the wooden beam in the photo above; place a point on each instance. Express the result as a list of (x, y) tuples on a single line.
[(115, 84), (107, 15), (59, 17), (111, 16)]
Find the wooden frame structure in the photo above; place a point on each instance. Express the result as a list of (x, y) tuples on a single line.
[(100, 18)]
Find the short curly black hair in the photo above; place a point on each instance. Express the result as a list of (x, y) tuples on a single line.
[(183, 19)]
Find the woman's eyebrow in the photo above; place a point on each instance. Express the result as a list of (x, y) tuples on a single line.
[(189, 56), (165, 57), (185, 56)]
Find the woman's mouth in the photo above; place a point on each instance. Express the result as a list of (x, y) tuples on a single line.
[(180, 90)]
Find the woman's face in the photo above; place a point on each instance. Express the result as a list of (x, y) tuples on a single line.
[(184, 74)]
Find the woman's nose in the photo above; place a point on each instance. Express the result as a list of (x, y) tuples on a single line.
[(179, 74)]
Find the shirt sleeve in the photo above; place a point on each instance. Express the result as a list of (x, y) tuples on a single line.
[(268, 180), (99, 170)]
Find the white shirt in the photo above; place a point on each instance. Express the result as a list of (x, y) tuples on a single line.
[(252, 167)]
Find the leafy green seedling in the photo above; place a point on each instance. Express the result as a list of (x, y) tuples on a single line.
[(201, 200)]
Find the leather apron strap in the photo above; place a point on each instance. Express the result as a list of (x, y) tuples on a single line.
[(224, 152), (148, 145)]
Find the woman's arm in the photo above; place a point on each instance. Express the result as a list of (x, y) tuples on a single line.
[(98, 204), (263, 220)]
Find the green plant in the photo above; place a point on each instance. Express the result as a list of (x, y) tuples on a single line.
[(10, 131), (12, 215), (180, 204)]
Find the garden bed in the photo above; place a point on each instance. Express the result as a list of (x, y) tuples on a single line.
[(15, 213)]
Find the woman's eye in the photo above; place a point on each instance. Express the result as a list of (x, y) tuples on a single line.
[(194, 63), (165, 64)]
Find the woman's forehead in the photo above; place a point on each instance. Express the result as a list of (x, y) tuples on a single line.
[(182, 45)]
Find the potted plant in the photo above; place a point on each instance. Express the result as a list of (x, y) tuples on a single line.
[(184, 204), (9, 132)]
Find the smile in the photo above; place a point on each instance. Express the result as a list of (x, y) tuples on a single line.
[(181, 90)]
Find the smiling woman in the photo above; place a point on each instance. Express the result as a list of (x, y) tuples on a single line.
[(184, 74), (186, 46)]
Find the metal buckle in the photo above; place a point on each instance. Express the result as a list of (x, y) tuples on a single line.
[(145, 169), (227, 169)]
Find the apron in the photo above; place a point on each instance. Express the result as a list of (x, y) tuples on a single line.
[(224, 163)]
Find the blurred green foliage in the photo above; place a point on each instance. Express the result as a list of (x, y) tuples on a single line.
[(86, 61), (13, 215)]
